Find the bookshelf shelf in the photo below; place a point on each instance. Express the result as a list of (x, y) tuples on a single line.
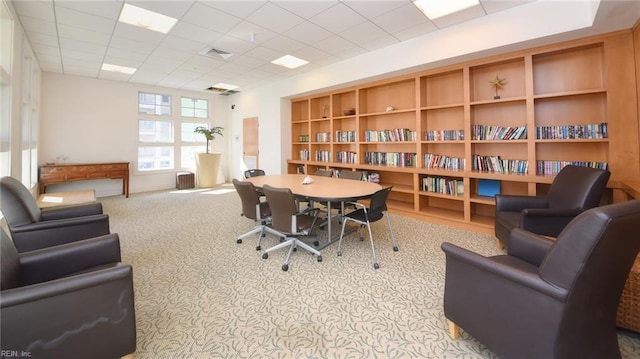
[(555, 90)]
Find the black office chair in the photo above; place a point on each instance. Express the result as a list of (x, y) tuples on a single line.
[(34, 228), (352, 175), (254, 209), (365, 216), (286, 219), (324, 173), (254, 173)]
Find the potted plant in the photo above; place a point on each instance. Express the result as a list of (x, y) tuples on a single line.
[(208, 164)]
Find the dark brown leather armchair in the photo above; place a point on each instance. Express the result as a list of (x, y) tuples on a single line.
[(544, 298), (69, 301), (574, 190), (34, 228)]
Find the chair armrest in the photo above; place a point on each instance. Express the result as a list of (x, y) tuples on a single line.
[(547, 221), (52, 213), (513, 203), (529, 247), (58, 261), (506, 272), (43, 234), (64, 286)]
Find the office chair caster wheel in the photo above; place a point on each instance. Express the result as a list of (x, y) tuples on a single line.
[(376, 266), (238, 240), (316, 243), (285, 267), (265, 256), (258, 248), (395, 249), (319, 258)]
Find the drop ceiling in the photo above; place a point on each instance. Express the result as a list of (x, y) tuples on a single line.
[(77, 37)]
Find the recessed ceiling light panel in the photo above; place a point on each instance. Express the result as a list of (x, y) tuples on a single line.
[(289, 61), (120, 69), (434, 9), (146, 19)]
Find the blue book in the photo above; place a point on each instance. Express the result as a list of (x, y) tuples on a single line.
[(488, 188)]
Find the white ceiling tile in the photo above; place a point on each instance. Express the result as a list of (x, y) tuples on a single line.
[(210, 18), (167, 53), (274, 18), (31, 24), (247, 61), (306, 9), (459, 17), (91, 59), (81, 71), (35, 9), (114, 52), (415, 31), (241, 9), (75, 45), (334, 45), (307, 32), (84, 21), (146, 77), (174, 81), (160, 65), (363, 33), (284, 45), (194, 68), (55, 67), (107, 9), (372, 9), (263, 53), (127, 62), (182, 44), (137, 33), (205, 61), (251, 32), (110, 75), (311, 54), (46, 50), (38, 38), (127, 44), (379, 42), (401, 18), (81, 62), (75, 33), (194, 32), (232, 45), (338, 18), (491, 6)]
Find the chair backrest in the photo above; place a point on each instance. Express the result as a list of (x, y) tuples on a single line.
[(16, 203), (249, 197), (378, 202), (353, 175), (324, 173), (9, 262), (254, 173), (283, 208), (577, 187), (591, 258)]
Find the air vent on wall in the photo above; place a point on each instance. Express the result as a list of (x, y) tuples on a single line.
[(216, 53), (221, 91)]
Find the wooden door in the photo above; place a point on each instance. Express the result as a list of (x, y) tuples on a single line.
[(250, 142)]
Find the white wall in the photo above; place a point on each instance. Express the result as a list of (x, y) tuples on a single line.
[(90, 120)]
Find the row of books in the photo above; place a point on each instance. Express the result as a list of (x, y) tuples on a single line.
[(444, 185), (323, 156), (346, 157), (432, 160), (391, 159), (304, 155), (590, 131), (482, 132), (498, 165), (551, 168), (323, 137), (303, 138), (395, 135), (346, 136), (444, 135)]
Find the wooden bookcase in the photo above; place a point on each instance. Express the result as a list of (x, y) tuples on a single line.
[(559, 103)]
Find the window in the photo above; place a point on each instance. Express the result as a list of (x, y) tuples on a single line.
[(192, 143), (191, 107), (153, 104), (155, 132)]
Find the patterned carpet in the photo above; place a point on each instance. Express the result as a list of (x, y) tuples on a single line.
[(201, 295)]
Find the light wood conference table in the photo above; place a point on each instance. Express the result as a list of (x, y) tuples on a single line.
[(322, 189)]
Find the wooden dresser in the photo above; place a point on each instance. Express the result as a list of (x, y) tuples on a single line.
[(62, 173)]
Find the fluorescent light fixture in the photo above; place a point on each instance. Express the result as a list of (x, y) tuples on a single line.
[(144, 18), (289, 61), (434, 9), (222, 85), (120, 69)]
